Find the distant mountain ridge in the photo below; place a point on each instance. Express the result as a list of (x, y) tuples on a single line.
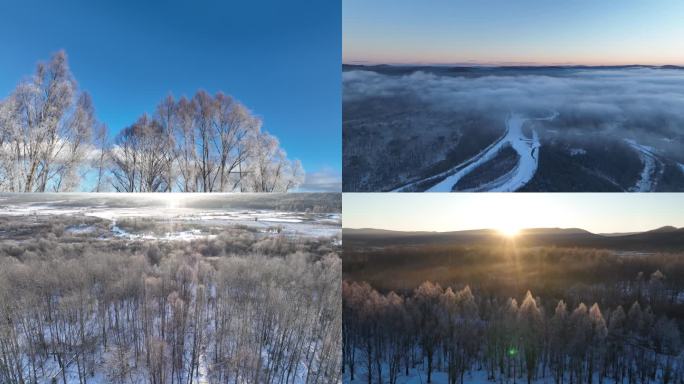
[(483, 66), (667, 238), (485, 70)]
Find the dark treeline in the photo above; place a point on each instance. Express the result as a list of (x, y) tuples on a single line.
[(465, 334), (502, 269), (51, 140), (238, 308)]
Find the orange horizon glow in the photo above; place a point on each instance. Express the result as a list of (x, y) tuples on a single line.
[(511, 212), (503, 32)]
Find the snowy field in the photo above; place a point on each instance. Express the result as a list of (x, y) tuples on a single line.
[(173, 209)]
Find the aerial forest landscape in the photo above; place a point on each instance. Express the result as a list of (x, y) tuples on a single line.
[(170, 288), (517, 300), (512, 129), (513, 97)]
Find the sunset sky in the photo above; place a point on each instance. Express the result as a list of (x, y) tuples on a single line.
[(513, 32), (595, 212)]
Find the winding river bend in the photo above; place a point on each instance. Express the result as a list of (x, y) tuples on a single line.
[(527, 149)]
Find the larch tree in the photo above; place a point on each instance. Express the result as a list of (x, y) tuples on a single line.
[(530, 318)]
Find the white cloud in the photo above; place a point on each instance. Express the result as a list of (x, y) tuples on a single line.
[(325, 180)]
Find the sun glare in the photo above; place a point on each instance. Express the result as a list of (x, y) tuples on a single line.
[(509, 231), (172, 200)]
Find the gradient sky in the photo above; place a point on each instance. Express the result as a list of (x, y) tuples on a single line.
[(590, 32), (280, 58), (595, 212)]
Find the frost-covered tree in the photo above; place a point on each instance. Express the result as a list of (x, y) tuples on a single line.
[(45, 128), (531, 324), (138, 157), (558, 340), (428, 313), (161, 312), (597, 336), (615, 343), (461, 334), (206, 144), (50, 140)]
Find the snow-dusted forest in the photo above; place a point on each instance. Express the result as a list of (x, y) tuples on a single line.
[(549, 305), (51, 140), (447, 335), (226, 289)]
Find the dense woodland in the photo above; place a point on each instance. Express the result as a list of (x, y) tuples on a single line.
[(462, 333), (241, 307), (507, 313), (51, 140)]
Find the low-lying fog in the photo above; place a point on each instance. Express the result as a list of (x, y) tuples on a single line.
[(434, 120), (646, 102)]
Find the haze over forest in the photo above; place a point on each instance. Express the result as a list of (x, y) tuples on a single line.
[(501, 287), (536, 305)]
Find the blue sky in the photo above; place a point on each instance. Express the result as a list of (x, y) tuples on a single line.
[(596, 212), (513, 31), (280, 58)]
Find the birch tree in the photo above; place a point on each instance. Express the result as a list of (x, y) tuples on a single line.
[(46, 124)]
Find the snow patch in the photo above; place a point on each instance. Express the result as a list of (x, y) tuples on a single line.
[(653, 167), (81, 229), (577, 151)]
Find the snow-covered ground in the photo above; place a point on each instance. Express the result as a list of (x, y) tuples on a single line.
[(81, 229), (652, 170), (527, 149), (285, 222), (166, 236), (419, 376)]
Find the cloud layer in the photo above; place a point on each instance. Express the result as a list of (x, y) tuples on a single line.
[(645, 101)]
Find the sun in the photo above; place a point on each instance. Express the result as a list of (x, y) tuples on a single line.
[(509, 231)]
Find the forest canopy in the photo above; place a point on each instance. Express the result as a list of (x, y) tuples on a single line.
[(81, 304), (476, 307)]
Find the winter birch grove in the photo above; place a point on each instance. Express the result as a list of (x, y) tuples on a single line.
[(464, 336), (50, 140), (239, 307)]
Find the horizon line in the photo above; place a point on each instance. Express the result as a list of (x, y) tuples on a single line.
[(495, 230), (503, 64)]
